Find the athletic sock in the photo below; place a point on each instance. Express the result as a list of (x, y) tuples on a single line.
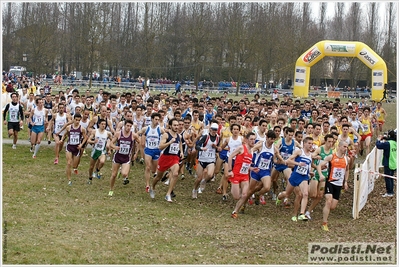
[(37, 148)]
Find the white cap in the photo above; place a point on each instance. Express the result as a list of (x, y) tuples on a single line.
[(214, 126)]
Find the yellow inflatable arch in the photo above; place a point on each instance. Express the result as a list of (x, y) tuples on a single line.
[(340, 49)]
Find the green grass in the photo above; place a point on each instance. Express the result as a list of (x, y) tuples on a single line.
[(49, 222)]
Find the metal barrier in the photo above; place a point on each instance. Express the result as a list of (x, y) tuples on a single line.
[(170, 88)]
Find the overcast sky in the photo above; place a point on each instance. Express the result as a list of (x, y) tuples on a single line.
[(331, 8)]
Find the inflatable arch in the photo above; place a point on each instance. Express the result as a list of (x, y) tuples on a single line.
[(340, 49)]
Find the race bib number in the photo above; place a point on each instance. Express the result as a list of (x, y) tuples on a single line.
[(13, 115), (303, 170), (38, 120), (338, 173), (124, 149), (210, 153), (264, 164), (245, 168), (74, 140), (100, 145), (174, 148), (285, 156), (59, 126), (153, 142), (365, 127)]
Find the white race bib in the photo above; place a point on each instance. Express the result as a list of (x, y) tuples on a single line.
[(264, 164), (74, 140), (338, 173), (245, 168), (302, 169), (174, 148), (124, 149)]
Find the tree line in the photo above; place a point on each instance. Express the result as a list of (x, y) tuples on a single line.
[(192, 40)]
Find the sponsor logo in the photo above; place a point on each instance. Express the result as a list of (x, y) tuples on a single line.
[(377, 73), (300, 70), (367, 56), (340, 48), (299, 80), (377, 84), (311, 55)]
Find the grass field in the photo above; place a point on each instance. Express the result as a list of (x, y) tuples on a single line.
[(48, 222)]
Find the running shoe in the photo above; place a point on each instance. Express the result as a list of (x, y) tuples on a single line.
[(75, 171), (70, 183), (262, 200), (147, 189), (99, 174), (325, 227), (234, 215), (194, 194), (89, 181), (141, 161), (294, 219), (278, 201), (242, 209), (202, 184), (14, 147), (163, 179), (111, 193), (48, 142), (167, 182), (213, 178), (302, 217), (190, 171), (172, 194), (182, 177), (125, 181), (225, 197), (219, 190), (286, 203), (387, 195), (274, 197), (307, 214), (34, 156), (56, 161), (31, 149), (256, 197), (152, 193), (250, 201), (168, 198), (94, 175), (199, 190)]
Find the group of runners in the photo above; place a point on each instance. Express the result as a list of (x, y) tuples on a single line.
[(258, 146)]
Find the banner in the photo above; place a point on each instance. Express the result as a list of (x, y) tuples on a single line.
[(366, 175)]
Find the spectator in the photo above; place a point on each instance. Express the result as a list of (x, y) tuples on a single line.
[(389, 159)]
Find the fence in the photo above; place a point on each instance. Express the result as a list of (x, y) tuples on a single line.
[(212, 90)]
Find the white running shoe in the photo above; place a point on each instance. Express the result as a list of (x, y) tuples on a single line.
[(14, 146), (168, 198), (195, 195), (167, 182), (202, 185), (152, 193), (307, 214)]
